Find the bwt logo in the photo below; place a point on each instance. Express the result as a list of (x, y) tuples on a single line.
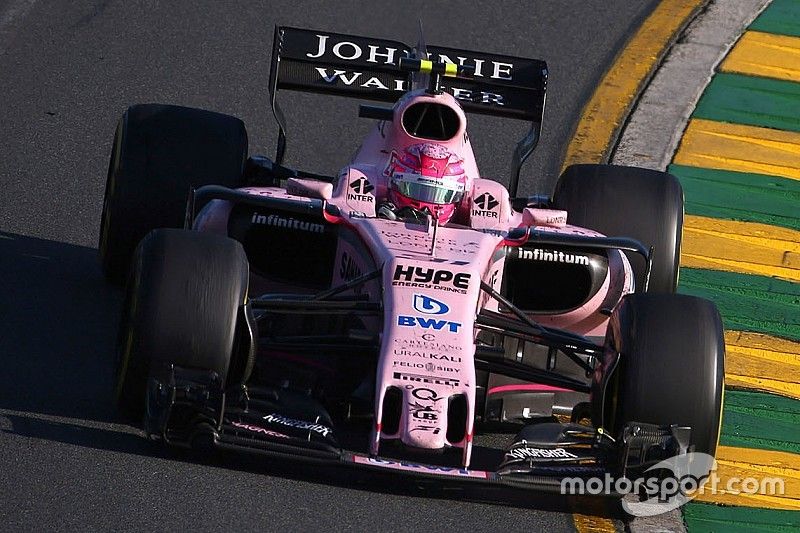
[(428, 323), (429, 306)]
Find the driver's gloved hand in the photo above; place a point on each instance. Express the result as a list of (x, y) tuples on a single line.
[(410, 214), (390, 211), (386, 210)]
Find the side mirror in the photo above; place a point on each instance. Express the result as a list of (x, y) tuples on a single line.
[(539, 200)]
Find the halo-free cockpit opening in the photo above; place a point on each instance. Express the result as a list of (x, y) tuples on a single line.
[(428, 120)]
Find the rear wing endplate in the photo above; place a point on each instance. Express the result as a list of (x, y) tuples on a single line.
[(367, 68)]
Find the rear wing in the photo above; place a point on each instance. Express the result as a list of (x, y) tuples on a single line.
[(367, 68)]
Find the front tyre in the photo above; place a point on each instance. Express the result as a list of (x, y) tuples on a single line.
[(181, 307), (664, 364)]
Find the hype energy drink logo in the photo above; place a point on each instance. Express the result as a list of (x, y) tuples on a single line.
[(431, 278)]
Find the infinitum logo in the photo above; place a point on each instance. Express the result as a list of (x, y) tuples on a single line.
[(537, 254), (286, 222)]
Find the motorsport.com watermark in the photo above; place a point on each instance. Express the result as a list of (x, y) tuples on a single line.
[(670, 484)]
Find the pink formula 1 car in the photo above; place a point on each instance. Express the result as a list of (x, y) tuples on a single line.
[(406, 313)]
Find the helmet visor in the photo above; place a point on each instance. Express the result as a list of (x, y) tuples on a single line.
[(428, 190)]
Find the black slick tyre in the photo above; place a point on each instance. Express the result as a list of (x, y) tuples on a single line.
[(181, 307), (670, 367), (159, 153), (619, 201)]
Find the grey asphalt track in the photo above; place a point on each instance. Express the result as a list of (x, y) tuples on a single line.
[(67, 71)]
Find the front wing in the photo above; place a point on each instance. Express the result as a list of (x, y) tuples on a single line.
[(189, 408)]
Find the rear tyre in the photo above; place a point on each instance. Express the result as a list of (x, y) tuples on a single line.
[(618, 201), (159, 153), (181, 307), (670, 369)]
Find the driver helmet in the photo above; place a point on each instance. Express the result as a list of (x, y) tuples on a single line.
[(427, 175)]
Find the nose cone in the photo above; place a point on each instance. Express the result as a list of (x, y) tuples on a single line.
[(424, 423)]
